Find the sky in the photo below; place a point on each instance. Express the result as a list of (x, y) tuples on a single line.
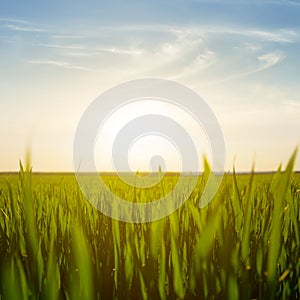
[(242, 57)]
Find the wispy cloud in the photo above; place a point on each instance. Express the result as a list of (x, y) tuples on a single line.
[(68, 36), (85, 50), (130, 51), (171, 51), (199, 63), (282, 36), (252, 47), (62, 64), (266, 61), (22, 28), (276, 36), (20, 25), (13, 20), (68, 47), (270, 59)]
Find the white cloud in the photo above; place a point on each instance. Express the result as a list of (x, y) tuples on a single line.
[(252, 47), (175, 53), (120, 51), (68, 36), (13, 27), (85, 50), (264, 62), (69, 47), (276, 36), (13, 20), (62, 64), (182, 53), (283, 36), (270, 59), (201, 62)]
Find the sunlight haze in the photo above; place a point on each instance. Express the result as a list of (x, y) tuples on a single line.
[(241, 57)]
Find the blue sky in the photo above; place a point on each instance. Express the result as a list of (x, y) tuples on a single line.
[(240, 56)]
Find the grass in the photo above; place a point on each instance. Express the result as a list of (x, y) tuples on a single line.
[(243, 245)]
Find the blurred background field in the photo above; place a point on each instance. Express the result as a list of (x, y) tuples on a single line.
[(244, 245)]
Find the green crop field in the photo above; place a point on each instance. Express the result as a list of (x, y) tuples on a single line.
[(244, 245)]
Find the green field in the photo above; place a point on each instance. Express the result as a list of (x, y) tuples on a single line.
[(244, 245)]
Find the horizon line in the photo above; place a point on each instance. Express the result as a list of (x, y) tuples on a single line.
[(106, 173)]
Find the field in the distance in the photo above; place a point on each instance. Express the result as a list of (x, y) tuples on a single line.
[(244, 245)]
